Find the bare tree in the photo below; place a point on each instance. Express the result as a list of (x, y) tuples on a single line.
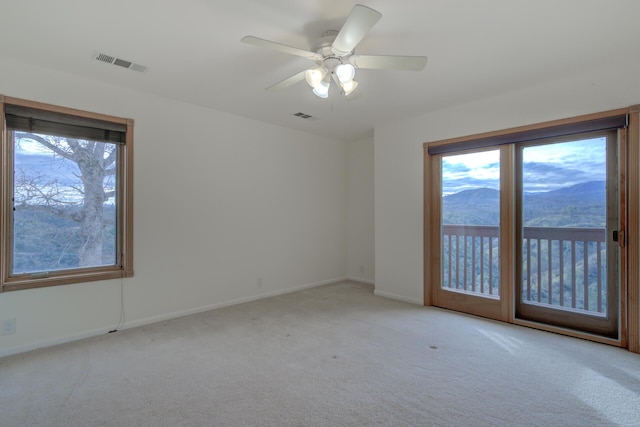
[(95, 161)]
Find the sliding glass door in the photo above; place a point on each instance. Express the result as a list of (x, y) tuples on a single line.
[(568, 233), (471, 235), (530, 232)]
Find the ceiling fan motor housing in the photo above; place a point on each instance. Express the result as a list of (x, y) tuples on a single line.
[(331, 63)]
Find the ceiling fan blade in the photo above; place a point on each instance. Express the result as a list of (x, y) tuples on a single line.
[(389, 62), (288, 81), (281, 48), (360, 21)]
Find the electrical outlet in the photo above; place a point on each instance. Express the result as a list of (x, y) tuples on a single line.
[(259, 282), (8, 326), (362, 269)]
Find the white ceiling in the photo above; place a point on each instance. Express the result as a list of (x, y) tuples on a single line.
[(476, 48)]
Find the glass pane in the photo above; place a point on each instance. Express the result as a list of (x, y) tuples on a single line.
[(64, 203), (471, 223), (564, 217)]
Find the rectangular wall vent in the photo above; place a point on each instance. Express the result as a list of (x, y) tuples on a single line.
[(302, 115), (108, 59)]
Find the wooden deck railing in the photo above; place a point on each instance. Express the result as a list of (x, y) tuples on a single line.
[(564, 267), (470, 258)]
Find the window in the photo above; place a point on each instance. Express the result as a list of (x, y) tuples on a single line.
[(66, 196)]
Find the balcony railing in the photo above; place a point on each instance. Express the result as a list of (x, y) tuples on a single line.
[(562, 267)]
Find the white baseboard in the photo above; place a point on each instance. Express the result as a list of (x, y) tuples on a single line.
[(155, 319), (168, 316), (361, 280), (55, 341), (398, 297)]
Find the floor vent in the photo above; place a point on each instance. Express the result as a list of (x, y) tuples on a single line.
[(108, 59), (302, 115)]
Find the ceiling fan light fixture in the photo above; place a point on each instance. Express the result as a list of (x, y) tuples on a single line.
[(349, 87), (336, 59), (345, 73), (322, 89), (314, 76)]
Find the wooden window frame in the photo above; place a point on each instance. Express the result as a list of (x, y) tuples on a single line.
[(123, 266), (630, 280)]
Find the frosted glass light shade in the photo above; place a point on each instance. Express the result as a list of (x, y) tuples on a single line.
[(345, 73), (314, 76), (322, 89), (349, 87)]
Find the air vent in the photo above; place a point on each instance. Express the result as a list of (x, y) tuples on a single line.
[(122, 63), (105, 58), (302, 115), (108, 59)]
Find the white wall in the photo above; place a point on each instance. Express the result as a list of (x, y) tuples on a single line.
[(360, 217), (399, 164), (220, 201)]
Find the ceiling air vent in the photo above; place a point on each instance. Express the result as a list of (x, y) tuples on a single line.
[(108, 59)]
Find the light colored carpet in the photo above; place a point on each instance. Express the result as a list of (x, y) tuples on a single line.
[(335, 355)]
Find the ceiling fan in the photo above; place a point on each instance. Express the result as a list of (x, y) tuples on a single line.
[(336, 60)]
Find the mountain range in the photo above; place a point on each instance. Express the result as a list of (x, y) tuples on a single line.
[(579, 205)]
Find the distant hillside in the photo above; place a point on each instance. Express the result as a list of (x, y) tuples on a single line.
[(472, 207), (580, 205), (580, 194)]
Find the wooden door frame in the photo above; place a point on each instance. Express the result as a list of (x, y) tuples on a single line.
[(633, 230)]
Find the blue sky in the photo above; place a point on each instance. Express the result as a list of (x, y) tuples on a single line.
[(36, 160), (47, 165), (546, 167)]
